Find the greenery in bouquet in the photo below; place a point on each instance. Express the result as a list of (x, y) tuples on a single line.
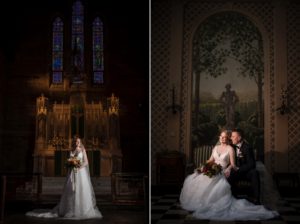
[(73, 163), (210, 169)]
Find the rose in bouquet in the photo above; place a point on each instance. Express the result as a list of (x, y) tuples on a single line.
[(73, 163), (210, 169)]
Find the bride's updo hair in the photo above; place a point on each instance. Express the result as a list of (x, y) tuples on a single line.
[(228, 135)]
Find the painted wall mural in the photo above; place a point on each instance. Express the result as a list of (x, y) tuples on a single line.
[(228, 73)]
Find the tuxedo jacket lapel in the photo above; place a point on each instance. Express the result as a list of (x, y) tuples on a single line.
[(244, 149)]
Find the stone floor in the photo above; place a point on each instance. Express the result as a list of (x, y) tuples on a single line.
[(166, 210), (17, 204), (112, 214), (165, 207)]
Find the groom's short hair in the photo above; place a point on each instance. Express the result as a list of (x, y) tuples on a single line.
[(239, 131)]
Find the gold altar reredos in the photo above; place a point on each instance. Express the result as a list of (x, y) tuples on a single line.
[(97, 123)]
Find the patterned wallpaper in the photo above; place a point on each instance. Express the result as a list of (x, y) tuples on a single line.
[(293, 52), (160, 62)]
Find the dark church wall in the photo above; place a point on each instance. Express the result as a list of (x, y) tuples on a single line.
[(1, 96), (26, 61)]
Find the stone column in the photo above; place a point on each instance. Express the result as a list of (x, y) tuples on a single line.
[(40, 138)]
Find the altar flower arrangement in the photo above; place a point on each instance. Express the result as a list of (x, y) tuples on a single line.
[(210, 169), (73, 163)]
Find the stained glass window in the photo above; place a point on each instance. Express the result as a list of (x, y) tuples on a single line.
[(98, 65), (77, 43), (77, 48), (57, 51)]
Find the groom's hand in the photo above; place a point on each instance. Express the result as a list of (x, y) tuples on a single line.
[(236, 168)]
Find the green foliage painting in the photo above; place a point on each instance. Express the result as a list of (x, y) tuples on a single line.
[(226, 44)]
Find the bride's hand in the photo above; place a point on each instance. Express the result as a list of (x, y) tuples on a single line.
[(227, 172)]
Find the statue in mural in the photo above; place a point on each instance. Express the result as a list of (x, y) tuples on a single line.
[(229, 99)]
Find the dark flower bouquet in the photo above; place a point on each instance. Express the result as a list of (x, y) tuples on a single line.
[(210, 169), (73, 163)]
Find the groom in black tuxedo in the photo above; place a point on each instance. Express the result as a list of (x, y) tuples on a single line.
[(246, 165)]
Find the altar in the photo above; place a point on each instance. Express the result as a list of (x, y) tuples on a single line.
[(97, 124)]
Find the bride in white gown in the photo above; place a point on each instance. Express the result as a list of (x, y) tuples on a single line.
[(211, 198), (78, 199)]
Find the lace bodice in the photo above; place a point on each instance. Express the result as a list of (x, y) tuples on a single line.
[(221, 158)]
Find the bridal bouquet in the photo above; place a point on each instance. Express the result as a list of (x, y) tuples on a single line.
[(73, 163), (210, 169)]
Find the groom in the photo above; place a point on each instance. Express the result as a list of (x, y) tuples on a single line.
[(245, 163)]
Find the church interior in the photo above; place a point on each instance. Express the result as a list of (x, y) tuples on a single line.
[(74, 68), (218, 65)]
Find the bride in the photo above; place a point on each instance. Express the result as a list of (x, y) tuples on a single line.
[(78, 199), (211, 198)]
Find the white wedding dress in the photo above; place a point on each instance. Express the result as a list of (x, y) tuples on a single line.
[(211, 198), (78, 198)]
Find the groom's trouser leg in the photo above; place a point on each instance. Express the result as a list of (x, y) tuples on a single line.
[(232, 180), (253, 176)]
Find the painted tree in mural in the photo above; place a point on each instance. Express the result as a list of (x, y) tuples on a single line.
[(228, 35)]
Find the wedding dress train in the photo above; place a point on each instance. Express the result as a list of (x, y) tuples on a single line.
[(78, 199), (211, 198)]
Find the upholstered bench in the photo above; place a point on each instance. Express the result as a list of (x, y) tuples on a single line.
[(201, 154)]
